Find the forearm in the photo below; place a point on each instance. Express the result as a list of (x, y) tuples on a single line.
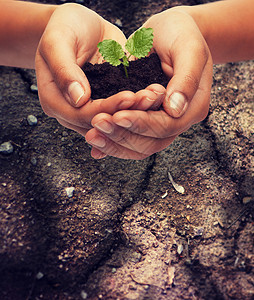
[(227, 27), (21, 27)]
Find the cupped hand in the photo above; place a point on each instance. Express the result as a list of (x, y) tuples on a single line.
[(69, 40), (185, 58)]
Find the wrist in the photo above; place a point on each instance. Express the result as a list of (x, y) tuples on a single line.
[(197, 14)]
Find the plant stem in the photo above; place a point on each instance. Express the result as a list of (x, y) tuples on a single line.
[(125, 71)]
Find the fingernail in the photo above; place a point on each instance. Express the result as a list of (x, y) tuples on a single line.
[(158, 93), (159, 100), (75, 91), (124, 123), (104, 126), (160, 96), (98, 142), (177, 102), (149, 99), (146, 103), (99, 154)]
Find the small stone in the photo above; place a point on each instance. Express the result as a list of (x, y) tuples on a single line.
[(113, 270), (4, 184), (49, 164), (34, 161), (6, 148), (247, 199), (198, 231), (70, 191), (32, 120), (180, 249), (39, 275), (83, 294), (118, 23), (34, 88)]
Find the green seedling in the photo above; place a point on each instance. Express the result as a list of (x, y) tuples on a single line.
[(138, 45)]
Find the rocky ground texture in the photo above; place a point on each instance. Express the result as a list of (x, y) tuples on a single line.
[(72, 227)]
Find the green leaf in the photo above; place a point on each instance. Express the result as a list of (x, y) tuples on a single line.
[(111, 51), (140, 43)]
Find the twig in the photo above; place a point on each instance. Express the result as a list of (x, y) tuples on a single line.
[(143, 283), (241, 214)]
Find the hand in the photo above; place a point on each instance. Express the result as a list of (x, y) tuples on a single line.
[(69, 40), (186, 58)]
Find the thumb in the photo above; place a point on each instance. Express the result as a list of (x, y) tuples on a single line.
[(59, 55), (189, 66)]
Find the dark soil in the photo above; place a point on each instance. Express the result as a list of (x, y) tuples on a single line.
[(107, 80)]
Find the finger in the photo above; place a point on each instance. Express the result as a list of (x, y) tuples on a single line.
[(150, 98), (160, 92), (157, 124), (141, 144), (54, 104), (80, 130), (189, 67), (184, 85), (145, 99), (97, 154), (58, 54), (67, 43), (183, 57), (103, 145)]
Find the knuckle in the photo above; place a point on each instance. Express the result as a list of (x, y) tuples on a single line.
[(200, 49), (191, 81)]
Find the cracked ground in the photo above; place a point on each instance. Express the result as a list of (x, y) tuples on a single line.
[(126, 233)]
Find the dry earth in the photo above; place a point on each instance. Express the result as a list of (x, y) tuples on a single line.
[(126, 233)]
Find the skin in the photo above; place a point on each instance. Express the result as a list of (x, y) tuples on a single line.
[(58, 63), (217, 32), (17, 47), (126, 125), (57, 60)]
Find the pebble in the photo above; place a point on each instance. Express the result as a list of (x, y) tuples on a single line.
[(34, 88), (83, 294), (6, 148), (32, 120), (180, 249), (39, 275), (70, 191), (34, 161), (247, 200), (118, 23), (198, 231)]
